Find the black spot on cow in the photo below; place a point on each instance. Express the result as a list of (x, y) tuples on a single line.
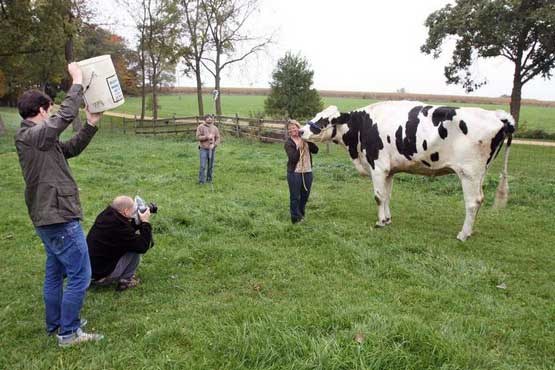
[(425, 145), (496, 144), (509, 129), (361, 125), (426, 109), (434, 157), (427, 164), (342, 119), (388, 139), (407, 146), (462, 126), (442, 114), (334, 132), (442, 131)]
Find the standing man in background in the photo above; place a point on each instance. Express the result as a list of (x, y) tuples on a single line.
[(208, 136), (52, 199)]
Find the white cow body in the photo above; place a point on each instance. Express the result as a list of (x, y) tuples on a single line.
[(405, 136)]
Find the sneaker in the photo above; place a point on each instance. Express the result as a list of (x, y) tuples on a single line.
[(125, 284), (78, 337), (82, 324)]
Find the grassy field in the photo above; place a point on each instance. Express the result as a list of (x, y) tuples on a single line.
[(231, 284), (532, 117)]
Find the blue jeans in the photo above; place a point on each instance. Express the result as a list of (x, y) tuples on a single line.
[(66, 255), (298, 194), (207, 157)]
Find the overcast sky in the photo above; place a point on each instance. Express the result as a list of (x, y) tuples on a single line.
[(362, 45)]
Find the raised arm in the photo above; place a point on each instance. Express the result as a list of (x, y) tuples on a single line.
[(47, 134), (74, 146)]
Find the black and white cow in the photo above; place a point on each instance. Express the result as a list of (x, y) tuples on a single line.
[(404, 136)]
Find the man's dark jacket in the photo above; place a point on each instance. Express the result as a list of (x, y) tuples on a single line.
[(51, 194), (113, 235)]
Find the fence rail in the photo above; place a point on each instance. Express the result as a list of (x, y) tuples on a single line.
[(265, 130)]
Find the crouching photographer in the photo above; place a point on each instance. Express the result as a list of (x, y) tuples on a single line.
[(120, 234)]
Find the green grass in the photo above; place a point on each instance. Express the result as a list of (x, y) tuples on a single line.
[(231, 284), (532, 117)]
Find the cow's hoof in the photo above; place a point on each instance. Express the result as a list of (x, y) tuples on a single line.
[(462, 236), (388, 221), (380, 224)]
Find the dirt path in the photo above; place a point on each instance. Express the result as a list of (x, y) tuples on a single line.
[(534, 142), (124, 115)]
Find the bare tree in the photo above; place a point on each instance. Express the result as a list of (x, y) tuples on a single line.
[(196, 29), (226, 23), (137, 9), (161, 43)]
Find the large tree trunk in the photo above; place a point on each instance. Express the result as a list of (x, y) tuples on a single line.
[(516, 95), (2, 127), (199, 90), (217, 79), (218, 101)]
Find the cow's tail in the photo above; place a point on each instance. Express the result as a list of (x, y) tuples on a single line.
[(502, 194)]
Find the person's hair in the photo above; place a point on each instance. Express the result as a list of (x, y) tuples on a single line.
[(30, 102), (122, 202), (208, 116), (293, 122)]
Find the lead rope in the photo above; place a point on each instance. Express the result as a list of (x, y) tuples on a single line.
[(302, 150)]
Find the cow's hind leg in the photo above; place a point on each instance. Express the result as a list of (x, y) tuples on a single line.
[(388, 189), (473, 198), (381, 196)]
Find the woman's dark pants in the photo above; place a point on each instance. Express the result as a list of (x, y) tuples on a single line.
[(298, 193)]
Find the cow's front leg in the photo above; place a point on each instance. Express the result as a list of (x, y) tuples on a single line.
[(380, 195), (473, 198)]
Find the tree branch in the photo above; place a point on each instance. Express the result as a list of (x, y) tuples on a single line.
[(254, 49)]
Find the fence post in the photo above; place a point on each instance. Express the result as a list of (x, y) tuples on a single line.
[(174, 124), (135, 123), (237, 131)]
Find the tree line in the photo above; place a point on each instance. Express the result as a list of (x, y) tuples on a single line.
[(39, 37)]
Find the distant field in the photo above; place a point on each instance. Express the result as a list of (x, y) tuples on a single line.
[(532, 117)]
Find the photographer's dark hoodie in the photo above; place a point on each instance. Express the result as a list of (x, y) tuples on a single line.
[(113, 235)]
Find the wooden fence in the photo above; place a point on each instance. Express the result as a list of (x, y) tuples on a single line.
[(261, 129)]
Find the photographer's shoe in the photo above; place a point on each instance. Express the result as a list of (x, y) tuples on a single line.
[(105, 281), (78, 337), (125, 284)]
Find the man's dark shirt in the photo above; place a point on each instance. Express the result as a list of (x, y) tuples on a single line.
[(113, 235)]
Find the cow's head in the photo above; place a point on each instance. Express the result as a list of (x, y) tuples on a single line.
[(321, 127)]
